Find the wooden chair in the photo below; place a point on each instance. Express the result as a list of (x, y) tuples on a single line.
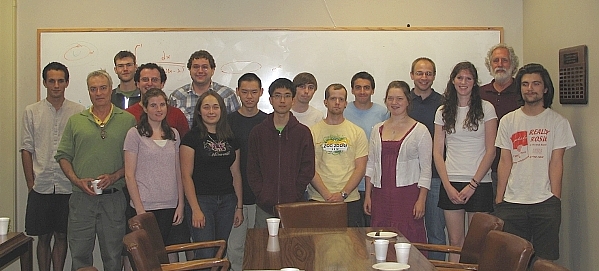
[(545, 265), (139, 247), (147, 222), (312, 214), (505, 251), (473, 243), (501, 251)]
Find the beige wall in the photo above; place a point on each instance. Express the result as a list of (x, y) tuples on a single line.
[(32, 15), (548, 27), (8, 82)]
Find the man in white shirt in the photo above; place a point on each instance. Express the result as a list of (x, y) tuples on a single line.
[(533, 140), (305, 86), (49, 189)]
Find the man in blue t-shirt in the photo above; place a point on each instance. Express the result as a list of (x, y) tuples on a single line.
[(364, 113)]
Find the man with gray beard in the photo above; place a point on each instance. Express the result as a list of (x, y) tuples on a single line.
[(502, 91)]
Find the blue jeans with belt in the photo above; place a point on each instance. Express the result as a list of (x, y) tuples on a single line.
[(219, 211)]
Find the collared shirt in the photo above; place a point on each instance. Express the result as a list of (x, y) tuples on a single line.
[(185, 99), (505, 101), (42, 129)]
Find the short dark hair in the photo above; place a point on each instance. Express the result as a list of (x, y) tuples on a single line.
[(423, 59), (334, 86), (540, 70), (281, 83), (362, 75), (201, 54), (304, 78), (57, 66), (149, 66), (123, 54), (249, 77)]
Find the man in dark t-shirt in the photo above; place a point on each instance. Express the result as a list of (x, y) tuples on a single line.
[(249, 90)]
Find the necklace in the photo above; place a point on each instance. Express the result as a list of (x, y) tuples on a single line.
[(211, 138)]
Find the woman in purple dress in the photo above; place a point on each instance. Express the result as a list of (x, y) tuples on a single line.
[(398, 174)]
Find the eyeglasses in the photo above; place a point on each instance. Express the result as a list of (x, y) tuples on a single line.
[(200, 67), (278, 96), (421, 73), (103, 130), (153, 79)]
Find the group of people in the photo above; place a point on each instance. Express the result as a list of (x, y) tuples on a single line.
[(210, 164)]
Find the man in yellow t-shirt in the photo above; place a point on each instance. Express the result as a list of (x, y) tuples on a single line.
[(341, 150)]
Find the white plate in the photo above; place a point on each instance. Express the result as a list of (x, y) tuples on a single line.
[(383, 234), (390, 266)]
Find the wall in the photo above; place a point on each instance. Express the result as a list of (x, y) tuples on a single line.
[(549, 26), (8, 81), (35, 14)]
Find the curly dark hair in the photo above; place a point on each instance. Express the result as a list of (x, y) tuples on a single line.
[(450, 103)]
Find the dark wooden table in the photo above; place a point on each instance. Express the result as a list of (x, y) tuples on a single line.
[(321, 250), (16, 245)]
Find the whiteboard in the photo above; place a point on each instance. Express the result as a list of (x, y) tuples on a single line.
[(333, 56)]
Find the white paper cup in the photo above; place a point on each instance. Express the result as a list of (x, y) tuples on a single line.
[(273, 244), (4, 225), (96, 189), (273, 226), (402, 251), (380, 249)]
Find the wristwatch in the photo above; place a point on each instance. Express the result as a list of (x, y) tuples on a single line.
[(344, 195)]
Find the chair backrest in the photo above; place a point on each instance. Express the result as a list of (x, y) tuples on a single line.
[(138, 245), (147, 221), (545, 265), (312, 214), (478, 229), (505, 251)]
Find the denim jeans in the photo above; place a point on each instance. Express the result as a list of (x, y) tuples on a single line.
[(434, 220), (219, 212)]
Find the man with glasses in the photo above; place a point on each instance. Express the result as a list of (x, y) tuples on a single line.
[(280, 156), (91, 148), (305, 85), (126, 93), (148, 76), (201, 68), (341, 150), (424, 104)]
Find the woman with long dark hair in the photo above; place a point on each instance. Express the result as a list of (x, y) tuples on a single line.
[(211, 175), (152, 169), (465, 129)]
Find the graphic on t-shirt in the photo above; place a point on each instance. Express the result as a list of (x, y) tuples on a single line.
[(529, 144), (334, 144), (216, 147)]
